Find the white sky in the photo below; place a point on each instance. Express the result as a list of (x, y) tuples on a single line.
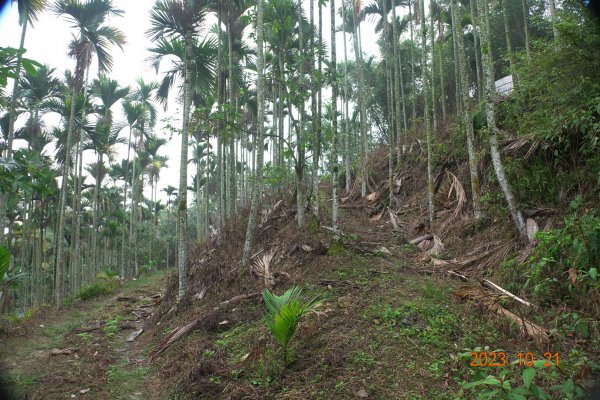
[(47, 42)]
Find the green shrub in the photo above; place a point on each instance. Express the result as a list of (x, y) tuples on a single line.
[(565, 263)]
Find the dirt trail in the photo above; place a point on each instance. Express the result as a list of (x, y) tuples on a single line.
[(83, 351)]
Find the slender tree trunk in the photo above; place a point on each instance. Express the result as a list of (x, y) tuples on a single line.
[(552, 8), (511, 56), (60, 231), (426, 112), (389, 62), (346, 116), (318, 122), (182, 208), (300, 132), (526, 27), (456, 72), (468, 119), (11, 125), (442, 89), (398, 84), (334, 128), (412, 69), (260, 65), (491, 121), (431, 39), (362, 105), (315, 116), (477, 49)]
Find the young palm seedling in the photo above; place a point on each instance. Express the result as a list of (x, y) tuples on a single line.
[(283, 315)]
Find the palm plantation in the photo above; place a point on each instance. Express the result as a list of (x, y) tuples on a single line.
[(249, 140)]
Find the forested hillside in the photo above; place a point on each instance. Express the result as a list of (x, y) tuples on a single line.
[(375, 199)]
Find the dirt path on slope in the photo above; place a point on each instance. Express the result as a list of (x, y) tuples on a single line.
[(83, 351)]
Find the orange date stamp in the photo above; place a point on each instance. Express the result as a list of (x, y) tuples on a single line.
[(501, 359)]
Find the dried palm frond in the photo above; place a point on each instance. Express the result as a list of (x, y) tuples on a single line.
[(491, 301), (479, 262), (438, 246), (261, 268), (461, 197)]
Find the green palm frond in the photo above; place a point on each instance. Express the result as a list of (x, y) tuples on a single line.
[(29, 10), (284, 313)]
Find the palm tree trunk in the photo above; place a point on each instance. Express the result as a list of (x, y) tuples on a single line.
[(491, 121), (456, 73), (426, 112), (431, 39), (412, 68), (346, 116), (319, 121), (315, 122), (260, 65), (198, 202), (182, 208), (511, 56), (334, 127), (552, 8), (442, 89), (362, 105), (468, 119), (11, 125), (526, 27), (300, 132), (477, 47), (60, 231)]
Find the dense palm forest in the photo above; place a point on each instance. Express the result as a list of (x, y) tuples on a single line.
[(277, 99)]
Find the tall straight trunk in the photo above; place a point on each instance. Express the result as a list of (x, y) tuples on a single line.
[(300, 132), (60, 230), (281, 126), (346, 113), (526, 27), (12, 116), (427, 124), (389, 62), (398, 83), (198, 202), (456, 72), (477, 46), (182, 208), (468, 119), (442, 89), (552, 9), (96, 208), (219, 133), (511, 55), (432, 41), (488, 63), (260, 90), (334, 127), (319, 117), (315, 115), (361, 104), (412, 69)]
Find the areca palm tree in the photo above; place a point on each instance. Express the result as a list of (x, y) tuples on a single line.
[(94, 37), (104, 138), (29, 11), (260, 88), (180, 20), (134, 114)]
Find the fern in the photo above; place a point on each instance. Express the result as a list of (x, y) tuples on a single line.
[(283, 315)]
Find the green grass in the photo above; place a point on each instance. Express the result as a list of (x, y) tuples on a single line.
[(18, 385), (124, 379)]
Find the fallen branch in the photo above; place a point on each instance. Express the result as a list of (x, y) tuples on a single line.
[(184, 329), (421, 238), (459, 276), (492, 285)]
